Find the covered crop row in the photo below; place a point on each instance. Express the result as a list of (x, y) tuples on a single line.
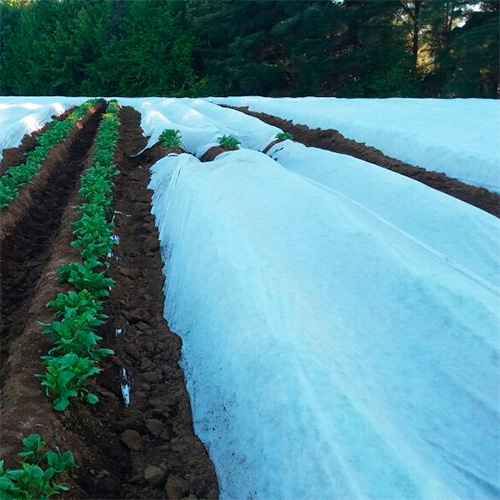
[(200, 123), (78, 312), (454, 136), (25, 116), (267, 266), (19, 177)]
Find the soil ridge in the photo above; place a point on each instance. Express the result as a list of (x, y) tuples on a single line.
[(333, 140)]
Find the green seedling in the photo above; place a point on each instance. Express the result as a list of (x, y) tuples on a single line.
[(60, 462), (65, 377), (77, 303), (283, 136), (93, 236), (33, 449), (75, 333), (83, 277), (35, 478), (171, 139), (229, 142)]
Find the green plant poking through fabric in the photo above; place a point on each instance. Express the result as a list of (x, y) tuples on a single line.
[(36, 477), (78, 313), (171, 139), (283, 136), (228, 142), (16, 178)]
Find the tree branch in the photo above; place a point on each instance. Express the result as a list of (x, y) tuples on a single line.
[(407, 10)]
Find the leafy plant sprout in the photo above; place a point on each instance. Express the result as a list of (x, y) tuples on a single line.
[(229, 142), (35, 478), (171, 139), (72, 360), (65, 377), (283, 136)]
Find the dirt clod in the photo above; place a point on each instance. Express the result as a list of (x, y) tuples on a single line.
[(176, 487), (130, 273), (154, 476), (132, 439), (133, 351), (165, 401), (154, 426), (146, 364)]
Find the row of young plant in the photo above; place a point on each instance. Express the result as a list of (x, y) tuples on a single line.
[(77, 314), (231, 143), (74, 357), (38, 472), (16, 178), (171, 138)]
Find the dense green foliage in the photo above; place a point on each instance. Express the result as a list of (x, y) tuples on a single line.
[(35, 478), (16, 178), (362, 48), (78, 313), (171, 139), (229, 142), (65, 377)]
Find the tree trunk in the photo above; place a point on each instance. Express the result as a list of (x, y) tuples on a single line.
[(416, 31)]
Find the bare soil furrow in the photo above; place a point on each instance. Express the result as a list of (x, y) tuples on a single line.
[(31, 226), (144, 446), (141, 447), (13, 157)]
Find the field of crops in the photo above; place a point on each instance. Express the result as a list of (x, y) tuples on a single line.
[(206, 298)]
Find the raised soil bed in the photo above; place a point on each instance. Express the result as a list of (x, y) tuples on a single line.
[(138, 441)]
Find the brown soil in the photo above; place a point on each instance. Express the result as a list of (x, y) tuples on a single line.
[(212, 153), (13, 157), (154, 153), (29, 225), (333, 140), (145, 450), (29, 198), (270, 145), (154, 435), (32, 251)]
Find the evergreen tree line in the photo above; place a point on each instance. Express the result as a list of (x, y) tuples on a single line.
[(345, 48)]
